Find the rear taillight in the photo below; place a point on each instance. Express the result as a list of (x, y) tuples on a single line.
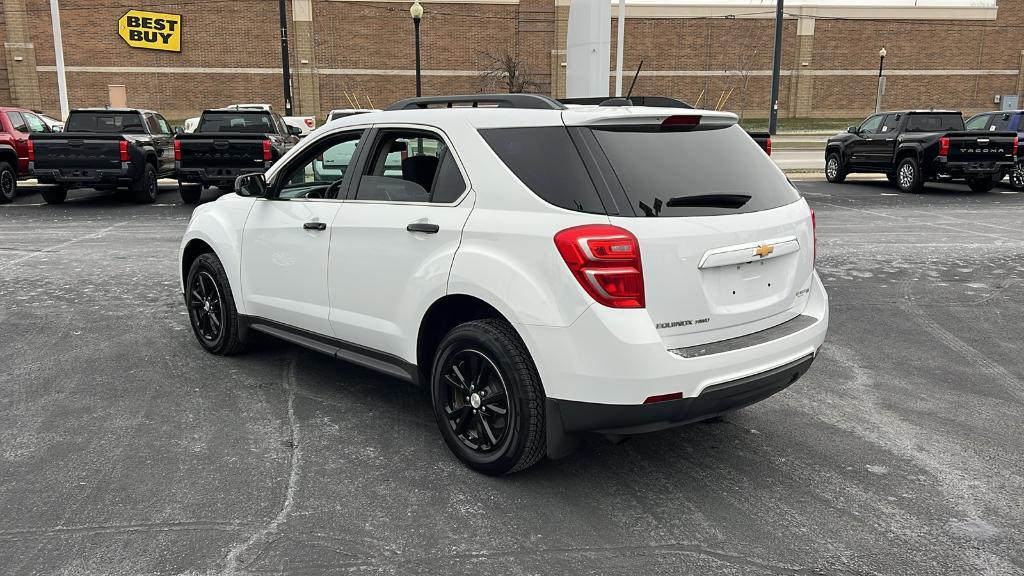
[(124, 151), (663, 398), (32, 151), (944, 146), (1015, 142), (177, 150), (310, 123), (606, 262), (768, 146), (267, 156), (814, 232)]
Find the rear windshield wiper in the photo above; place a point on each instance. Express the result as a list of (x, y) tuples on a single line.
[(709, 201)]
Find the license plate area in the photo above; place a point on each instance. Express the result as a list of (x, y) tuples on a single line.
[(739, 288)]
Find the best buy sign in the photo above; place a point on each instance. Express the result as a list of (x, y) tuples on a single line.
[(152, 30)]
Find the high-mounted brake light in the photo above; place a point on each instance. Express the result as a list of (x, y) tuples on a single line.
[(605, 260), (124, 151), (267, 156), (177, 150), (690, 120), (31, 151), (944, 146)]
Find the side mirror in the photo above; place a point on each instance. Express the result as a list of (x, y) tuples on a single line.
[(294, 130), (251, 185), (853, 130), (179, 130)]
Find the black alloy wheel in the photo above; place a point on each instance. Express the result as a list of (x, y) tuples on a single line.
[(8, 183), (206, 308), (476, 401)]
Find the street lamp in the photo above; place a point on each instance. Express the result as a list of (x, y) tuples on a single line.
[(416, 11), (881, 81)]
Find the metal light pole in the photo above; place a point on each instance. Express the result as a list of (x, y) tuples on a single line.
[(284, 60), (773, 113), (881, 81), (416, 11), (58, 49), (620, 39)]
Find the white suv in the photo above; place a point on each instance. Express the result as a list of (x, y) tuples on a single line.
[(545, 271)]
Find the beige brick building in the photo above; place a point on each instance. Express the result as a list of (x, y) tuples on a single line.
[(346, 52)]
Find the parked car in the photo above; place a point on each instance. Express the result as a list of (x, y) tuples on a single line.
[(346, 112), (105, 149), (52, 123), (1003, 121), (226, 144), (915, 146), (16, 124), (663, 274), (305, 124)]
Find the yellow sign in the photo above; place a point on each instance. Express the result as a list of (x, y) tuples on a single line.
[(151, 30)]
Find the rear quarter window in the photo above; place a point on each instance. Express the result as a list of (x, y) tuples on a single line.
[(934, 123), (657, 169), (545, 159)]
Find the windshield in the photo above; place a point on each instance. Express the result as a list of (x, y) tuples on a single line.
[(105, 122), (695, 173), (246, 122)]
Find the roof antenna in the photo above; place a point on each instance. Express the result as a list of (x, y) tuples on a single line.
[(633, 83)]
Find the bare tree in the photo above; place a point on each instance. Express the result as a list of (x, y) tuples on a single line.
[(505, 71)]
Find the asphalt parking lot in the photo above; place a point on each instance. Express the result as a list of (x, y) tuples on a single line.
[(128, 450)]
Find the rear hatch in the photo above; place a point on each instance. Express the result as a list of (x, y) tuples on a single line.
[(726, 242)]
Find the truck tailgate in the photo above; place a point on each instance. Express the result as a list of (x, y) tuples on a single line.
[(73, 151), (981, 147), (222, 150)]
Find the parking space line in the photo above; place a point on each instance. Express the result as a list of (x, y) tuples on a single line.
[(52, 249)]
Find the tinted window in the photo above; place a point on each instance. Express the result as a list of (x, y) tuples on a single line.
[(891, 122), (165, 128), (870, 126), (449, 184), (1001, 122), (246, 122), (979, 122), (151, 124), (105, 122), (17, 122), (692, 169), (934, 122), (547, 162)]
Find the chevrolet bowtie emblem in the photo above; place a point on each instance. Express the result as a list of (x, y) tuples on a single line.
[(764, 250)]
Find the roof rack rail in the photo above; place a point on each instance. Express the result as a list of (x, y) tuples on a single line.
[(531, 101), (650, 101)]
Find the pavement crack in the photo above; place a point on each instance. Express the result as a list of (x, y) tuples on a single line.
[(140, 527), (56, 248), (235, 559)]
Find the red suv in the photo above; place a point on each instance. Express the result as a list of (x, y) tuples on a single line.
[(15, 126)]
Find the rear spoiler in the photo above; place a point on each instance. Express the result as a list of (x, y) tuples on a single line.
[(650, 101)]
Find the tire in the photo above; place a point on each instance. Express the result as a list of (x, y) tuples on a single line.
[(1017, 178), (55, 195), (190, 193), (908, 175), (8, 183), (489, 441), (835, 172), (981, 185), (144, 189), (211, 307)]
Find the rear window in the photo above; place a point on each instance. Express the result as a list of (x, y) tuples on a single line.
[(934, 123), (547, 162), (105, 122), (246, 122), (703, 172)]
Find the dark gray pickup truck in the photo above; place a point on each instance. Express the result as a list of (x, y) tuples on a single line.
[(227, 144), (105, 149), (916, 146)]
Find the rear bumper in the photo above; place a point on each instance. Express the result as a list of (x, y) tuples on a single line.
[(570, 416), (963, 169), (85, 176), (214, 175)]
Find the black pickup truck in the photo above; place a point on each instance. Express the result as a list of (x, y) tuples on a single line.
[(105, 149), (226, 144), (916, 146)]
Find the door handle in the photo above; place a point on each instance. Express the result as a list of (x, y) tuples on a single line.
[(315, 226), (425, 227)]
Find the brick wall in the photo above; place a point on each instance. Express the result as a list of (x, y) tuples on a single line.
[(366, 49)]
